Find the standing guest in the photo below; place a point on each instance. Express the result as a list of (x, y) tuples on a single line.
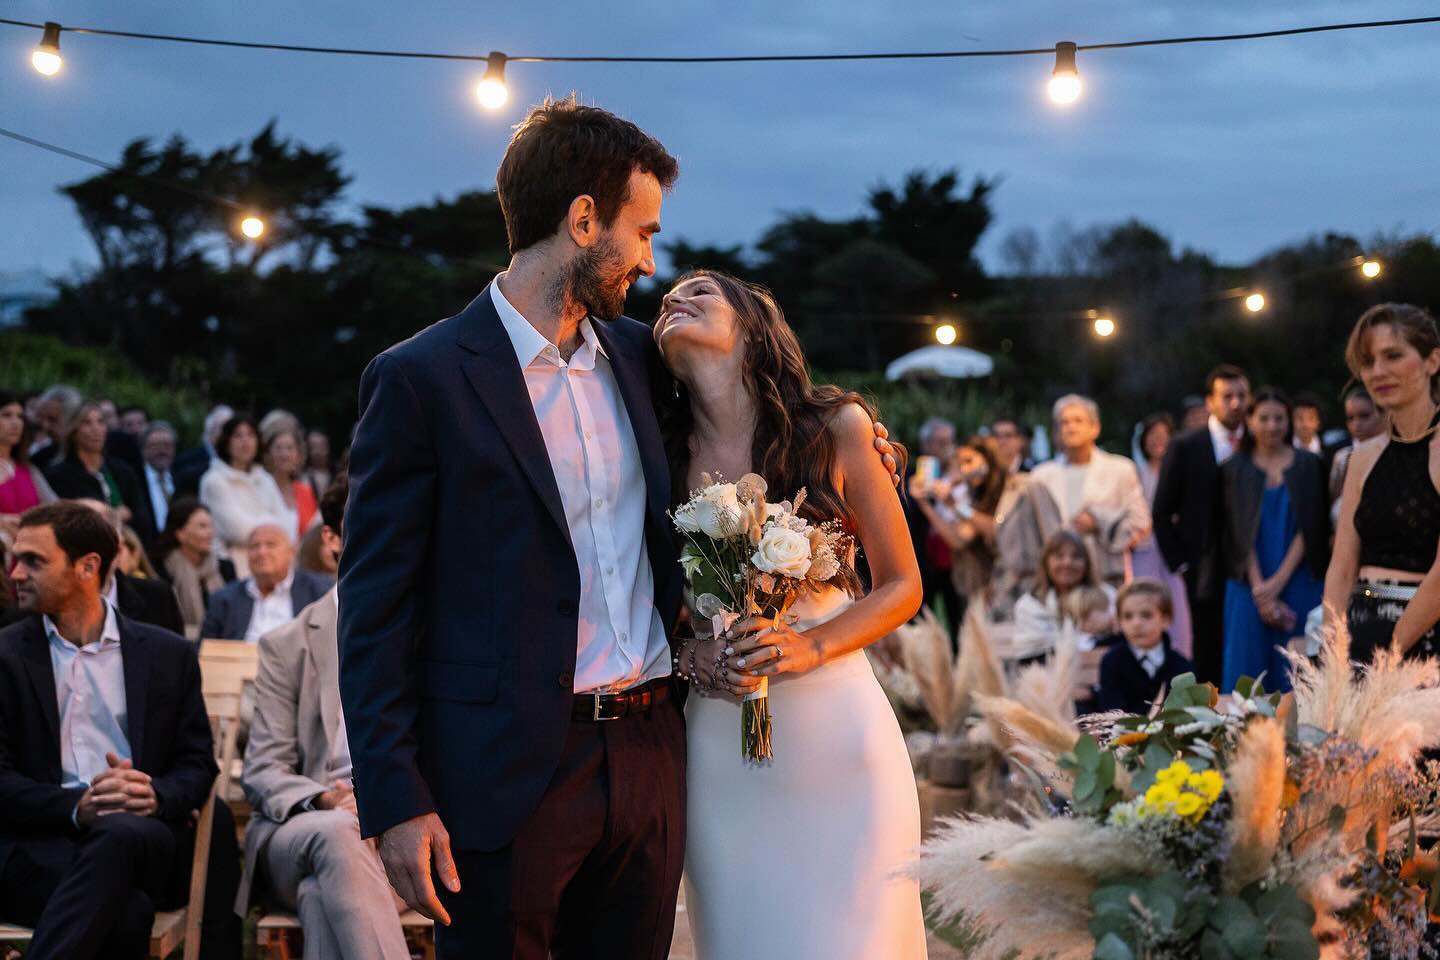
[(133, 420), (56, 407), (1133, 673), (146, 600), (1151, 444), (1309, 424), (937, 441), (280, 452), (271, 595), (110, 412), (86, 472), (22, 486), (106, 752), (239, 492), (1275, 542), (186, 554), (1194, 413), (1384, 579), (191, 465), (317, 461), (1364, 420), (1186, 495), (132, 560), (303, 846), (1059, 599), (1012, 445), (1098, 494), (157, 449)]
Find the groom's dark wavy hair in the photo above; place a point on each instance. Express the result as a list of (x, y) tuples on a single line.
[(793, 445), (564, 149)]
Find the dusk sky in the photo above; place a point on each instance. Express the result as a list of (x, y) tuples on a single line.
[(1231, 149)]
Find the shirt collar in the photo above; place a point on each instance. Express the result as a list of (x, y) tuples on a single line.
[(110, 633), (282, 588), (1218, 431), (112, 590), (531, 346), (1155, 655)]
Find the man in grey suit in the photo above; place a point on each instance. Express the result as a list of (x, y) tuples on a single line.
[(274, 593), (304, 840)]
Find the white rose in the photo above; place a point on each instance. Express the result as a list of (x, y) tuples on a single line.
[(715, 512), (783, 551)]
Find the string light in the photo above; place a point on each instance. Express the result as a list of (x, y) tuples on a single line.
[(1065, 78), (491, 90), (1371, 268), (1104, 327), (946, 333), (46, 57), (1255, 302), (253, 227)]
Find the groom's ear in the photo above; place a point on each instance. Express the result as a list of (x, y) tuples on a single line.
[(582, 220)]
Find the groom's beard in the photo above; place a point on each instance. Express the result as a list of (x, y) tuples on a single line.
[(596, 283)]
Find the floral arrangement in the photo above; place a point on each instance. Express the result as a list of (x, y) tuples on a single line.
[(1253, 825), (744, 557)]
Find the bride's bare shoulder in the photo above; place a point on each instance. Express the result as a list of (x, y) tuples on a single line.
[(851, 423)]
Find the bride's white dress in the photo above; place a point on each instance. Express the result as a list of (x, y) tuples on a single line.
[(802, 858)]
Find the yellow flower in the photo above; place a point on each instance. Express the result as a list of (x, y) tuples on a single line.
[(1190, 805), (1210, 784), (1174, 774), (1162, 796)]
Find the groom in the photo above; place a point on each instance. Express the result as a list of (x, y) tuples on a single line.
[(509, 575)]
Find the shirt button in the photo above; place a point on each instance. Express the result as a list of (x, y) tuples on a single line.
[(599, 504), (566, 680), (610, 570), (624, 638)]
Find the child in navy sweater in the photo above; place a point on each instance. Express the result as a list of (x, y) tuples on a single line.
[(1134, 672)]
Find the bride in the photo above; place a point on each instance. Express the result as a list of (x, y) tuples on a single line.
[(803, 856)]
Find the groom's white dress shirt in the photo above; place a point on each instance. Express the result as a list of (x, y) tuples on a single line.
[(621, 640)]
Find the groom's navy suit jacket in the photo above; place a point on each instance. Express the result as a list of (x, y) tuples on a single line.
[(459, 588)]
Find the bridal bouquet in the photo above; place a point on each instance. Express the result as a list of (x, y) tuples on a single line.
[(1246, 826), (744, 557)]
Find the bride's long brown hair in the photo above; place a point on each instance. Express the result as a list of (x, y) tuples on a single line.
[(793, 447)]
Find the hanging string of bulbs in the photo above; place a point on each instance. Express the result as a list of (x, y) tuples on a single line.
[(493, 93)]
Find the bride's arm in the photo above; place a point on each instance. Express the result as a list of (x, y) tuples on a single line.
[(864, 484)]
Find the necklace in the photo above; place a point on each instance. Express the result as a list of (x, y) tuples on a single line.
[(1428, 431)]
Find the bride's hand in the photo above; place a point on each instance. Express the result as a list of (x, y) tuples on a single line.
[(775, 648), (715, 670)]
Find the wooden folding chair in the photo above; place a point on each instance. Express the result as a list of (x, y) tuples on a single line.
[(275, 930), (230, 666)]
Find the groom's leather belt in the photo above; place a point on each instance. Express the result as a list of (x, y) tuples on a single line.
[(613, 706)]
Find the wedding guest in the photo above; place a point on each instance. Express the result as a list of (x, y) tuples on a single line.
[(1098, 494), (1152, 441), (22, 486), (1308, 424), (132, 560), (1043, 613), (186, 551), (56, 407), (157, 449), (191, 465), (110, 412), (86, 472), (1274, 540), (1186, 495), (1364, 420), (101, 772), (271, 595), (317, 462), (937, 444), (1194, 413), (1012, 445), (303, 846), (239, 492), (133, 420), (1383, 583), (280, 452), (314, 557), (1133, 673), (148, 601)]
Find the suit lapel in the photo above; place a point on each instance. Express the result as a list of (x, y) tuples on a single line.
[(241, 613), (320, 633), (42, 676), (137, 683), (494, 373), (635, 391)]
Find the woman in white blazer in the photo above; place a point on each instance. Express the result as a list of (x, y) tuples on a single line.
[(239, 492)]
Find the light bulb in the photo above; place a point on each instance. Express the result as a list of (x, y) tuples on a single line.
[(1065, 83), (253, 227), (1371, 268), (1255, 302), (1104, 327), (46, 57), (491, 90), (946, 333)]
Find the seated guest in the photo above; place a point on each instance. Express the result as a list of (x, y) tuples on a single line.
[(186, 554), (271, 596), (1133, 673), (22, 486), (85, 471), (157, 449), (133, 561), (105, 751), (1061, 601), (54, 408), (317, 462), (239, 491), (148, 601), (133, 420), (280, 452), (313, 555), (304, 841)]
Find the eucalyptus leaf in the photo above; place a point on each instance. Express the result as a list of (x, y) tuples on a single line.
[(1111, 947)]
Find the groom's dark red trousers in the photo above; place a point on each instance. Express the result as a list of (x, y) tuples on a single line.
[(595, 870)]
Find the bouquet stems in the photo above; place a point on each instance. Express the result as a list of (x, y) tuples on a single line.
[(755, 742)]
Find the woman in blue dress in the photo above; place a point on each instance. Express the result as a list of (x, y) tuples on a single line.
[(1275, 541)]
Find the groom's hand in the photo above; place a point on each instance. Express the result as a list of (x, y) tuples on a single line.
[(408, 850), (887, 452)]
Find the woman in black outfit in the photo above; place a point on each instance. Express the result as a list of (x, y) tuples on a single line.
[(1384, 575), (86, 472)]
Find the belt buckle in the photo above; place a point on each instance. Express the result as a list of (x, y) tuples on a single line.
[(595, 712)]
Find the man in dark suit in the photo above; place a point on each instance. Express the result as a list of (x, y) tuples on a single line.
[(505, 669), (273, 595), (1187, 494), (105, 752)]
